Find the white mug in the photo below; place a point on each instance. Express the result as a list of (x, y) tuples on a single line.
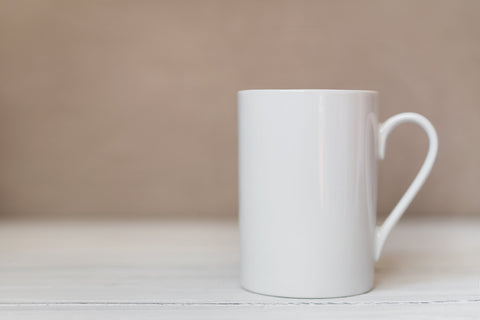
[(308, 190)]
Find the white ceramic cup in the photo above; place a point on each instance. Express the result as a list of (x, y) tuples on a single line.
[(308, 190)]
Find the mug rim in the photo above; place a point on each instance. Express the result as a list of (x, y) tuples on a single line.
[(307, 90)]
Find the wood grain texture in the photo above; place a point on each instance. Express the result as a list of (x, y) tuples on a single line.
[(185, 269)]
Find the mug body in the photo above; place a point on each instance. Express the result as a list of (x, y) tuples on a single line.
[(307, 191)]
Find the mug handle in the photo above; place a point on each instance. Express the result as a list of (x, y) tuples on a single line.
[(382, 232)]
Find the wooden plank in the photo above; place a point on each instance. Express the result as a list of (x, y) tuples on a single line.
[(443, 311), (191, 267)]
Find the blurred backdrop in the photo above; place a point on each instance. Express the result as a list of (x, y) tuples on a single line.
[(128, 108)]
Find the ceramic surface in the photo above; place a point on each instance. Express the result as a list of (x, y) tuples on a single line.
[(308, 190)]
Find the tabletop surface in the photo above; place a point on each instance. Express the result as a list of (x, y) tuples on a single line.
[(430, 268)]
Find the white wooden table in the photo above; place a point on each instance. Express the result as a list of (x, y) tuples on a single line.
[(189, 269)]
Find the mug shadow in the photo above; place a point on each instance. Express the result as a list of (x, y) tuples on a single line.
[(399, 270), (387, 268)]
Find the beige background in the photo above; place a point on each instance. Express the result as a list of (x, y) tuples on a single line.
[(128, 108)]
